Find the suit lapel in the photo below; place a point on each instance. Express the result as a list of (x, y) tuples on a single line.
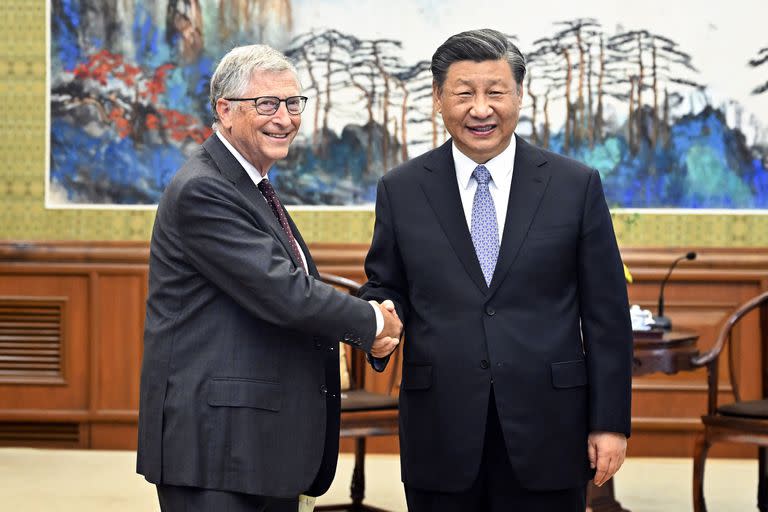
[(234, 172), (529, 181), (442, 191)]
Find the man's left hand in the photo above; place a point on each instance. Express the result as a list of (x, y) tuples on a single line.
[(606, 452)]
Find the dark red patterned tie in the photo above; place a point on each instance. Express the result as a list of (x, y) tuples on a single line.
[(271, 196)]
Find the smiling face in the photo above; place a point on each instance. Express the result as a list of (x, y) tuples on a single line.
[(261, 139), (480, 104)]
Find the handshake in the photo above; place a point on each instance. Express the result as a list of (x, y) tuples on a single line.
[(386, 342)]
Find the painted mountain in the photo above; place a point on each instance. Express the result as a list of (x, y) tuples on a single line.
[(129, 88)]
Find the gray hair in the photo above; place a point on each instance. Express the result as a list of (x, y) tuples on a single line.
[(477, 46), (237, 67)]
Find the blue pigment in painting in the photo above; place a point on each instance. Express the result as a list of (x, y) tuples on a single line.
[(127, 112)]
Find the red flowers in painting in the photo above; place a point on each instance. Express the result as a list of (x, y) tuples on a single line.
[(122, 124), (103, 63), (130, 97), (181, 126), (156, 85)]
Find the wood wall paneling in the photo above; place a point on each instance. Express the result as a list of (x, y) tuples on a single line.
[(69, 389), (101, 288), (114, 436), (120, 310)]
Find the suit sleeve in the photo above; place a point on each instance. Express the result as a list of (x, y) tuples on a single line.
[(384, 267), (227, 245), (605, 323)]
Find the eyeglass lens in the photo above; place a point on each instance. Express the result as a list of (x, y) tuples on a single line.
[(270, 104)]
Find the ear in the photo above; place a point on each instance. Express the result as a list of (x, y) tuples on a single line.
[(436, 99), (225, 110)]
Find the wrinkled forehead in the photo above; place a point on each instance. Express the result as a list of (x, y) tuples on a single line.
[(262, 81), (483, 73)]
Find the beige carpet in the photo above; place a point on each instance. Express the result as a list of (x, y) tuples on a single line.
[(104, 481)]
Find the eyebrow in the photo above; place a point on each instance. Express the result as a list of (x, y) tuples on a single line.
[(486, 82)]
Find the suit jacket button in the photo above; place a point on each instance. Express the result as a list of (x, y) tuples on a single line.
[(323, 389), (484, 364), (490, 311), (331, 348)]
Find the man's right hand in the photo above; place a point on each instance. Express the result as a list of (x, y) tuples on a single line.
[(389, 338)]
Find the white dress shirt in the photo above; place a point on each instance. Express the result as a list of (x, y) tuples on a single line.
[(500, 167)]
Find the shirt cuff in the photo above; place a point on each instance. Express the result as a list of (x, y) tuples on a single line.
[(379, 317)]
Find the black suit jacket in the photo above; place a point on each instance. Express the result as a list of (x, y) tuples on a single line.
[(551, 334), (240, 376)]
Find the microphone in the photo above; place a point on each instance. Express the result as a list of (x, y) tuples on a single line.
[(660, 321)]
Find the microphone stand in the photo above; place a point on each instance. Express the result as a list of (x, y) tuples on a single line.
[(660, 321)]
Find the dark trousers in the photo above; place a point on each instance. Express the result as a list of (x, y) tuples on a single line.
[(496, 489), (193, 499)]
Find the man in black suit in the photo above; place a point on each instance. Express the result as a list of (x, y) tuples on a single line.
[(239, 402), (502, 262)]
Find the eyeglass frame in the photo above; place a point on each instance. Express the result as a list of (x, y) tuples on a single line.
[(255, 100)]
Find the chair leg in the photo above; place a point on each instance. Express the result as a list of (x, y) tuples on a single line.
[(762, 479), (357, 489), (699, 458)]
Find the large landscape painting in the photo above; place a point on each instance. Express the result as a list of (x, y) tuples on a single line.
[(670, 105)]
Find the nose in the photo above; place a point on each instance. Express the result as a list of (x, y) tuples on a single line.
[(282, 116), (481, 107)]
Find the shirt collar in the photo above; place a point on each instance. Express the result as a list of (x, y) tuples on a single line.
[(500, 167), (254, 173)]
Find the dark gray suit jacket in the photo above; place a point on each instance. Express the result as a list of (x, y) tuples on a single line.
[(240, 376), (551, 335)]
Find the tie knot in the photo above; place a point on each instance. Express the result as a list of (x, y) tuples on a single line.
[(266, 188), (482, 175)]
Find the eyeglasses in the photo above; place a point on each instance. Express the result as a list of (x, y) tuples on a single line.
[(268, 105)]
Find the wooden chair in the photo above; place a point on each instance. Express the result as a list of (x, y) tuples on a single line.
[(743, 421), (363, 413)]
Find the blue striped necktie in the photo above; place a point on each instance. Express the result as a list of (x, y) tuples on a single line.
[(484, 229)]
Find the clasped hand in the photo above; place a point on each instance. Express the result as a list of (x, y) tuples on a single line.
[(386, 342)]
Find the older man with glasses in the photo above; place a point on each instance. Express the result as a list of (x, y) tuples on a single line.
[(239, 400)]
